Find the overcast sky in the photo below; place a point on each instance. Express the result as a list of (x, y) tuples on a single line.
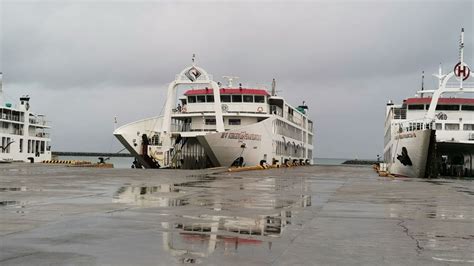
[(84, 62)]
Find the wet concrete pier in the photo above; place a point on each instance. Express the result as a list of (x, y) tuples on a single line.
[(318, 215)]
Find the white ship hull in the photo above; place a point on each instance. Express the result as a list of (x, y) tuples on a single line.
[(409, 153), (253, 143)]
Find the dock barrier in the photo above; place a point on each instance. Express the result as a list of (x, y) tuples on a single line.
[(78, 163), (72, 162)]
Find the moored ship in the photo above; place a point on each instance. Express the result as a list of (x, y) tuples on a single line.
[(213, 125), (432, 133), (24, 135)]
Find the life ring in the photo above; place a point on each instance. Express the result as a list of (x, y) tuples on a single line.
[(260, 109), (225, 108)]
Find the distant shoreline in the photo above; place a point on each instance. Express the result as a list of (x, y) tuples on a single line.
[(94, 154)]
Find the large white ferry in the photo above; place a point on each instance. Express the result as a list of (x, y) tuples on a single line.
[(24, 135), (432, 133), (214, 125)]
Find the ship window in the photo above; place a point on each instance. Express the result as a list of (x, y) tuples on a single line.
[(234, 122), (191, 99), (201, 98), (399, 113), (237, 98), (21, 145), (447, 107), (248, 98), (449, 126), (210, 98), (468, 127), (416, 107), (467, 108), (225, 98), (210, 121), (439, 126), (259, 99)]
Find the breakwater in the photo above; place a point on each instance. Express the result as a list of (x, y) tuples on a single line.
[(360, 162)]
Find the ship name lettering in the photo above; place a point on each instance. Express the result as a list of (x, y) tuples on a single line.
[(406, 136), (241, 136)]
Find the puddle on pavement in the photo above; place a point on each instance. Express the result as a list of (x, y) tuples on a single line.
[(164, 195), (235, 214), (6, 189), (438, 182), (464, 190), (469, 192), (5, 203)]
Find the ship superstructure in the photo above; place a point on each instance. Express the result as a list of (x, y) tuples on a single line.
[(219, 125), (24, 135)]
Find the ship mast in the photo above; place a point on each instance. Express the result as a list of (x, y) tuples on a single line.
[(461, 54), (422, 83), (1, 89), (273, 87)]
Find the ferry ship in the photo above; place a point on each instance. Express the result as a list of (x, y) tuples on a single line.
[(24, 135), (432, 133), (212, 125)]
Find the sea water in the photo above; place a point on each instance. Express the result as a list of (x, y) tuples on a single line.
[(119, 162), (328, 161)]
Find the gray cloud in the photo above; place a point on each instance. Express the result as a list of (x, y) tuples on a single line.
[(90, 61)]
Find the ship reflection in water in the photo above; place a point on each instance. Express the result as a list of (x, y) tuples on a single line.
[(255, 213)]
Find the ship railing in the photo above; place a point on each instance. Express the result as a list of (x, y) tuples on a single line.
[(37, 121), (416, 124), (11, 117)]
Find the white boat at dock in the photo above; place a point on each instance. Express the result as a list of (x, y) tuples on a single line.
[(432, 133), (214, 125), (24, 135)]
